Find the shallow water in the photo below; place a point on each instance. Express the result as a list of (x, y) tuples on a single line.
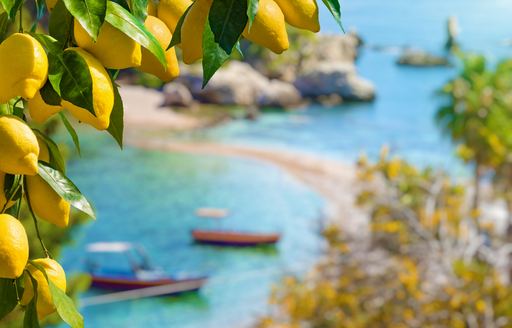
[(150, 197)]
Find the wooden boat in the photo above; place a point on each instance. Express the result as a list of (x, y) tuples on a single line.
[(139, 274), (210, 212), (130, 283), (232, 238)]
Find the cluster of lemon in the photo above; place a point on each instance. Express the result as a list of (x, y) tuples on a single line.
[(268, 29), (20, 150), (24, 70)]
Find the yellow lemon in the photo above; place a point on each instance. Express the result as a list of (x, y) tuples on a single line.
[(113, 48), (45, 202), (170, 11), (269, 27), (18, 147), (300, 13), (13, 247), (192, 31), (3, 196), (23, 67), (55, 274), (40, 111), (50, 4), (102, 94), (150, 64)]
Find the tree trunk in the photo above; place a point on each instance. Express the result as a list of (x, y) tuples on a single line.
[(508, 203), (476, 196)]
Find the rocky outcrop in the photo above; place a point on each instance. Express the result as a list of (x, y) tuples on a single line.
[(323, 70), (177, 95), (421, 58), (335, 48), (279, 94), (239, 84), (334, 78)]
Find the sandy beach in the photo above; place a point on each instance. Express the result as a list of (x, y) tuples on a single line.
[(333, 180)]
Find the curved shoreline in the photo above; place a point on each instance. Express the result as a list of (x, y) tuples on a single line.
[(333, 180)]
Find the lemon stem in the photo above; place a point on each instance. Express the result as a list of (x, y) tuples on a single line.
[(21, 18), (18, 208), (45, 250), (16, 288)]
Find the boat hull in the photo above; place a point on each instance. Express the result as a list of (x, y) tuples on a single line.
[(122, 284), (228, 238)]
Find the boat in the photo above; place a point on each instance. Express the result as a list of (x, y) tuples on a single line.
[(210, 212), (136, 273), (233, 238)]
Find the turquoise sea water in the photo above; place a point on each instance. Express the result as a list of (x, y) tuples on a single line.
[(150, 197)]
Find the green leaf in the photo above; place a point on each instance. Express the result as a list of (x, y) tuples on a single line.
[(48, 42), (114, 73), (11, 7), (139, 8), (4, 25), (12, 187), (65, 307), (227, 20), (176, 36), (8, 300), (89, 13), (60, 23), (76, 82), (213, 55), (19, 111), (123, 20), (334, 8), (55, 70), (5, 109), (31, 320), (116, 125), (252, 10), (71, 131), (49, 95), (65, 188), (56, 159)]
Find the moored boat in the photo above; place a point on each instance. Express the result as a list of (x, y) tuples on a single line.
[(138, 274), (233, 238)]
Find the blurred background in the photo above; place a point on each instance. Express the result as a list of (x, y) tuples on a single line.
[(376, 161)]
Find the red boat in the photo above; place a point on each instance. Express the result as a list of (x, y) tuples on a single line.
[(137, 273), (232, 238), (130, 283)]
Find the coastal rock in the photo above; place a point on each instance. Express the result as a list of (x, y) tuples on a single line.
[(240, 84), (336, 48), (334, 78), (235, 84), (421, 58), (177, 95), (279, 94)]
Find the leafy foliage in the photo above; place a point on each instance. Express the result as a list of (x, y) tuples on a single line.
[(65, 188), (426, 264), (89, 13), (227, 20), (8, 299), (131, 26), (477, 116)]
